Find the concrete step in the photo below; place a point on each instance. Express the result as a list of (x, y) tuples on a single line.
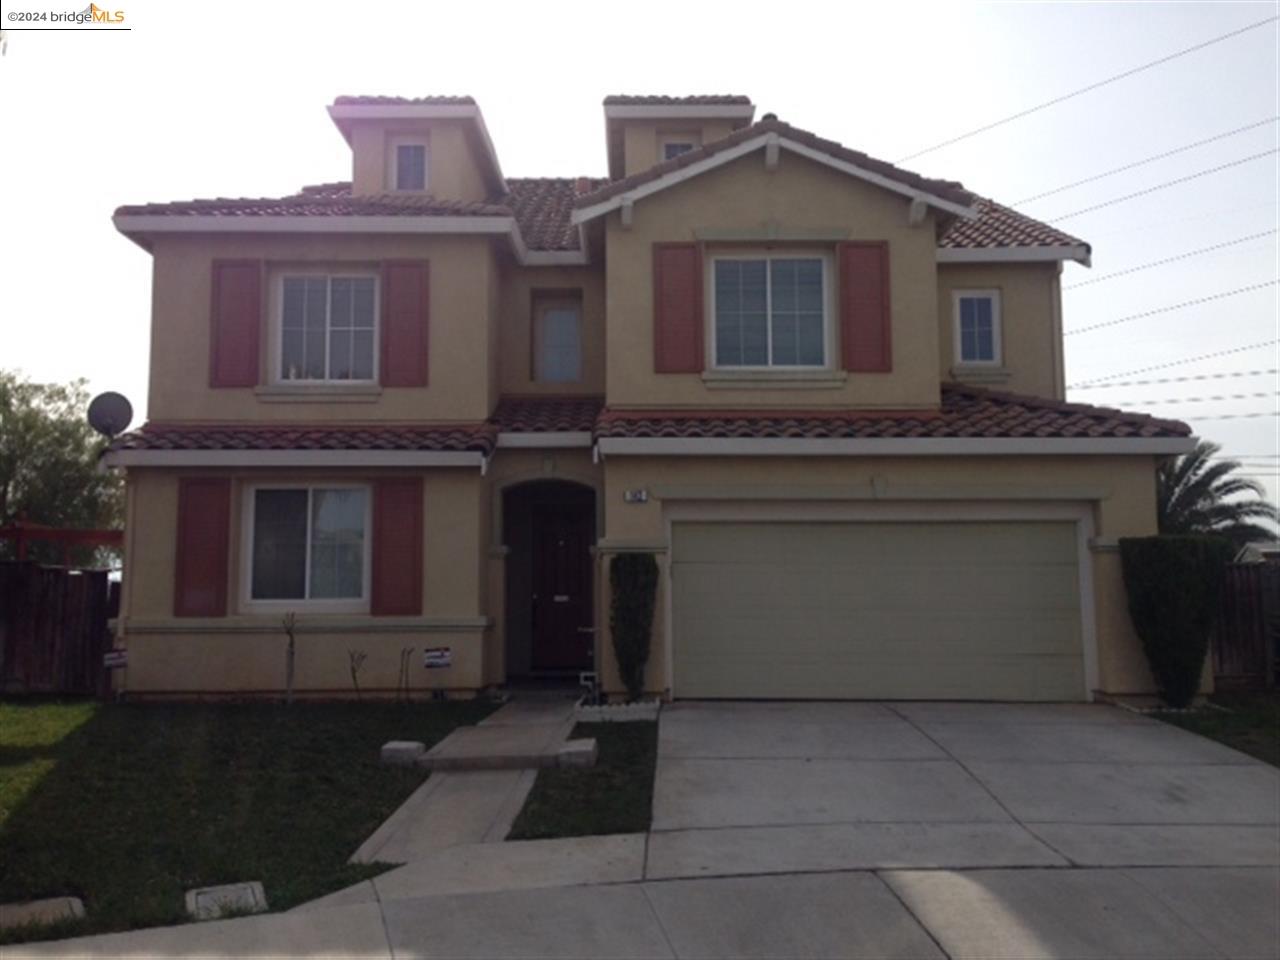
[(509, 747)]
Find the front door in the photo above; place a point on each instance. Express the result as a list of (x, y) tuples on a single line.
[(562, 608)]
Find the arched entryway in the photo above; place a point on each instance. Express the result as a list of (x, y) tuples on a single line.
[(549, 530)]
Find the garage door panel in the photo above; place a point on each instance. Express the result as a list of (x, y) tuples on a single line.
[(929, 610)]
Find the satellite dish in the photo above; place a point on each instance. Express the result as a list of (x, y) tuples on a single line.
[(110, 414)]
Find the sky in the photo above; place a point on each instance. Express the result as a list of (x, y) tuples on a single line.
[(201, 100)]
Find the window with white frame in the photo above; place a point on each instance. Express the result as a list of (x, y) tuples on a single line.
[(977, 326), (770, 311), (308, 544), (557, 341), (408, 164), (674, 147), (327, 327)]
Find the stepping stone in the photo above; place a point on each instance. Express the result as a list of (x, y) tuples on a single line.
[(210, 903), (40, 912), (578, 753), (402, 753)]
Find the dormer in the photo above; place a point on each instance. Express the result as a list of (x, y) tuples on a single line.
[(436, 146), (646, 130)]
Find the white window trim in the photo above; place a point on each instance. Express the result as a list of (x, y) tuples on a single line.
[(277, 277), (828, 308), (997, 340), (344, 605), (392, 160)]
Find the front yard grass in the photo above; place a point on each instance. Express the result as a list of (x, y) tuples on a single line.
[(129, 805), (614, 796), (1249, 722)]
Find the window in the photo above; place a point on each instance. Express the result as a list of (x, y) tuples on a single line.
[(308, 544), (977, 319), (770, 311), (327, 327), (673, 148), (408, 162), (557, 341)]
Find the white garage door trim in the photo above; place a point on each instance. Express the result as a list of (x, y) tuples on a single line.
[(1081, 514)]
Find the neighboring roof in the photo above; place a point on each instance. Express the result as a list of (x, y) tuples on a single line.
[(998, 226), (661, 100), (381, 101), (467, 437), (966, 413), (948, 191), (543, 207), (323, 200), (547, 414)]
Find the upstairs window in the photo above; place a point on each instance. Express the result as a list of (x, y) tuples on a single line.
[(674, 148), (327, 327), (557, 340), (408, 165), (770, 311), (977, 327)]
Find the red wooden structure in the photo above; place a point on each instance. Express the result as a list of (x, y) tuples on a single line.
[(23, 532)]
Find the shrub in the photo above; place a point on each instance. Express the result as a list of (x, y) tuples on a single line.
[(1174, 583), (633, 578)]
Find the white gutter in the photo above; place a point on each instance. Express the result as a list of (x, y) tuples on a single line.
[(892, 447), (546, 440), (293, 458), (1079, 253)]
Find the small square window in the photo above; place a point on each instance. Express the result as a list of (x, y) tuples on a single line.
[(674, 148), (557, 341), (977, 327), (407, 162)]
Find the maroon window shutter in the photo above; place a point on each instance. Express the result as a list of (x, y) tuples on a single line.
[(397, 548), (864, 307), (236, 325), (677, 308), (406, 298), (200, 566)]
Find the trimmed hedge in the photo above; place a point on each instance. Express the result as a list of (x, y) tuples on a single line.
[(633, 578), (1174, 584)]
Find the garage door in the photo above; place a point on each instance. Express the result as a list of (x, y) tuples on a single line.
[(877, 610)]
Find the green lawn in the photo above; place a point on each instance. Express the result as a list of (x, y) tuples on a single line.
[(127, 806), (614, 796), (1249, 722)]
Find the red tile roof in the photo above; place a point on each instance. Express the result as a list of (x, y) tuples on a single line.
[(966, 412), (380, 101), (547, 414), (325, 201), (946, 189), (660, 100), (1000, 226), (542, 206), (476, 437)]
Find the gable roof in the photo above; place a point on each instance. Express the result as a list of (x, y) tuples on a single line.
[(946, 194)]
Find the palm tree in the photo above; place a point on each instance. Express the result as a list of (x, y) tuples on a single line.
[(1197, 493)]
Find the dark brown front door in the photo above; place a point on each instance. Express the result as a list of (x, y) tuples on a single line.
[(562, 614)]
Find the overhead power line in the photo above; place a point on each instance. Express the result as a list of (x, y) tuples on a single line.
[(1199, 376), (1164, 186), (1238, 416), (1143, 162), (1174, 259), (1093, 86), (1173, 306), (1221, 396), (1174, 363)]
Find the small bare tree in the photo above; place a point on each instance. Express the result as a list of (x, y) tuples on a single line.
[(356, 658), (290, 623)]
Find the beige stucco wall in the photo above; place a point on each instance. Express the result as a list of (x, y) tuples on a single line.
[(799, 195), (1119, 490), (462, 310), (245, 651), (641, 139), (1030, 323), (453, 162)]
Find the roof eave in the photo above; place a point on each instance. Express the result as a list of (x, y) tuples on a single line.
[(1079, 253)]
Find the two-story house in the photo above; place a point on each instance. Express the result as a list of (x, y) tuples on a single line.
[(423, 410)]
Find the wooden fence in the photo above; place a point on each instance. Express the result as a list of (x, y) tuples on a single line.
[(1247, 633), (53, 628)]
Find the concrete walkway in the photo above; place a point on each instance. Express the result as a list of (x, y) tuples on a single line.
[(472, 806), (843, 830)]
